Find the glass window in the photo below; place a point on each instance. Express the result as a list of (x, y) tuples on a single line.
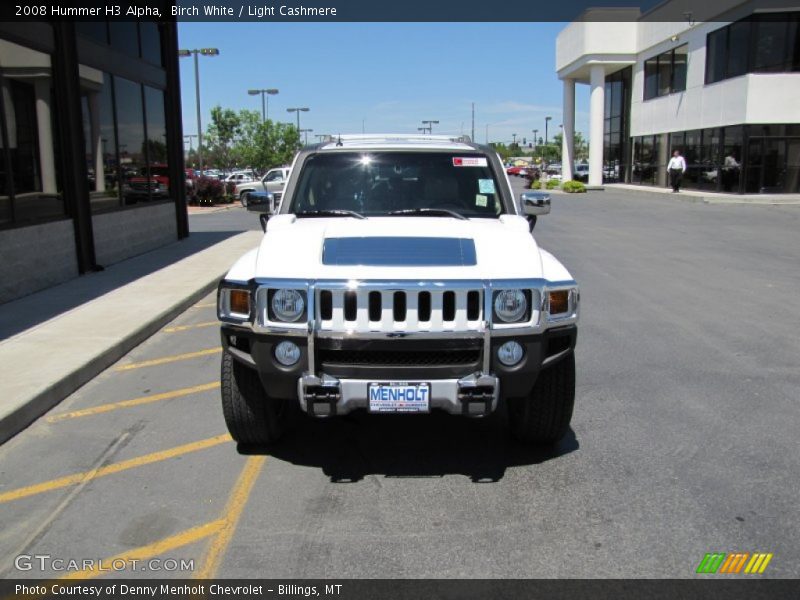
[(769, 38), (664, 74), (738, 44), (607, 98), (680, 63), (29, 186), (616, 97), (100, 139), (125, 36), (716, 43), (381, 182), (157, 143), (130, 129), (97, 31), (732, 158), (793, 44), (651, 78), (151, 42)]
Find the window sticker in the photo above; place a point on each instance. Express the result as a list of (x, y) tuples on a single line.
[(470, 161), (486, 186), (481, 200)]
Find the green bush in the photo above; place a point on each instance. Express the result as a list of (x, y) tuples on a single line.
[(574, 187), (552, 184), (209, 190), (536, 184)]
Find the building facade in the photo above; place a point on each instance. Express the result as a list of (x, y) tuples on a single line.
[(723, 92), (91, 148)]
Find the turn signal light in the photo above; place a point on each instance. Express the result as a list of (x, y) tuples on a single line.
[(240, 302), (559, 302)]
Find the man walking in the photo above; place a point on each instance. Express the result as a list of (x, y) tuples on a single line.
[(676, 168)]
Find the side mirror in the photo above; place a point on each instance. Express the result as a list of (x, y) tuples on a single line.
[(260, 202), (533, 205)]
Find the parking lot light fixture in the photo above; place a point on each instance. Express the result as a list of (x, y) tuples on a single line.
[(182, 53), (298, 110), (265, 94)]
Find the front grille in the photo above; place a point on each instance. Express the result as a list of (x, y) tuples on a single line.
[(386, 310), (400, 358)]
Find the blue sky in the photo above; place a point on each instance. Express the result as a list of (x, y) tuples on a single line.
[(390, 75)]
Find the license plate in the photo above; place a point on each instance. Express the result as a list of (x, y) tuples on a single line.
[(399, 397)]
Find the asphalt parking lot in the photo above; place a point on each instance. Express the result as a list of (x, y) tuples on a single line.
[(684, 439)]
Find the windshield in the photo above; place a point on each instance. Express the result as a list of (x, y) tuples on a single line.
[(379, 183)]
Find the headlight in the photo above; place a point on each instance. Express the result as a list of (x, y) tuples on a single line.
[(288, 305), (510, 305)]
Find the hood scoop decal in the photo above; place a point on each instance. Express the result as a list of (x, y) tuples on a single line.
[(399, 252)]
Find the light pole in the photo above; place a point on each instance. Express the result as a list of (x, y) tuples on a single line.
[(546, 123), (514, 136), (265, 93), (306, 131), (205, 52), (535, 140), (430, 125), (298, 110)]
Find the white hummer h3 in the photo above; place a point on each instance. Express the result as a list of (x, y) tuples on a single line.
[(400, 275)]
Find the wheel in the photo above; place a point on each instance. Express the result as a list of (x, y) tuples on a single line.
[(252, 417), (543, 417), (243, 199)]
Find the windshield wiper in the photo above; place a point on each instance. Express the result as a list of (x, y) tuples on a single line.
[(331, 213), (434, 212)]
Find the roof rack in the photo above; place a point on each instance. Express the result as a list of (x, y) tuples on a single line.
[(405, 137)]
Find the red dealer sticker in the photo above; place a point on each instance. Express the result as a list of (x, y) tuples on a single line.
[(470, 161)]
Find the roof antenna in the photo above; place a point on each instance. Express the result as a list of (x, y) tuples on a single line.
[(339, 141)]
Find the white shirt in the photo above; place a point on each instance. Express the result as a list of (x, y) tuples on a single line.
[(677, 162)]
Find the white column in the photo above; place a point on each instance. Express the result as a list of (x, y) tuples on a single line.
[(97, 143), (597, 80), (568, 134), (47, 160)]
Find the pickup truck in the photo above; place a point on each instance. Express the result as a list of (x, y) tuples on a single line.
[(400, 275), (272, 182)]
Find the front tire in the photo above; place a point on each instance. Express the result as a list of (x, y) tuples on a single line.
[(544, 416), (251, 415), (243, 199)]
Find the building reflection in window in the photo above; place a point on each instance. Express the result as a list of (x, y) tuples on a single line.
[(29, 184)]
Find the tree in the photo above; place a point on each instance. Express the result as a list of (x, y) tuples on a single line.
[(580, 146), (225, 127), (265, 144)]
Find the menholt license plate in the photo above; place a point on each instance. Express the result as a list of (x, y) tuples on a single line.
[(399, 397)]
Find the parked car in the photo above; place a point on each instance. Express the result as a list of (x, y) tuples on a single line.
[(273, 182), (581, 173), (143, 185), (385, 283)]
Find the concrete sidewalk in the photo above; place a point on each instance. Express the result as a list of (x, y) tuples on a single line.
[(705, 197), (49, 360)]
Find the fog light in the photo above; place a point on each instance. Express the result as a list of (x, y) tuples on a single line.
[(559, 302), (510, 353), (287, 353), (240, 302)]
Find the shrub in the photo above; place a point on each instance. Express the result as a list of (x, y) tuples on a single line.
[(552, 184), (536, 184), (574, 187), (209, 190)]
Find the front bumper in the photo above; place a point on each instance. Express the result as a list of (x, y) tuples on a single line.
[(460, 382)]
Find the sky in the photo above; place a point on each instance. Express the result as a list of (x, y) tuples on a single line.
[(384, 77)]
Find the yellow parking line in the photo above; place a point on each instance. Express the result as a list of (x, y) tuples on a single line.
[(124, 465), (206, 305), (178, 540), (233, 511), (168, 359), (178, 328), (103, 408)]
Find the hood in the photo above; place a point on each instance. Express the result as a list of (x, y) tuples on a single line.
[(398, 248)]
